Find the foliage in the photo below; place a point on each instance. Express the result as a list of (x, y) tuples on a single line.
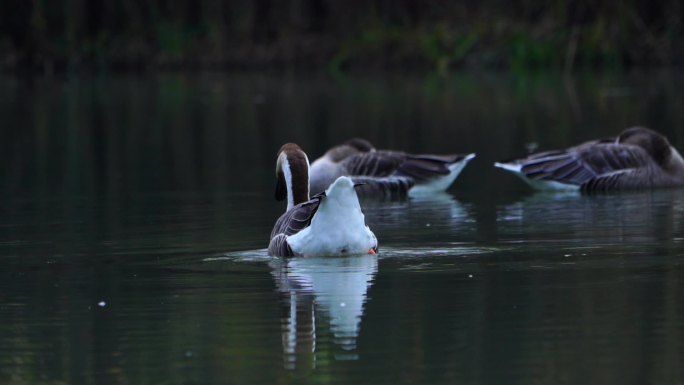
[(339, 34)]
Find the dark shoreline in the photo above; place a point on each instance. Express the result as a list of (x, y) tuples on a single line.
[(336, 35)]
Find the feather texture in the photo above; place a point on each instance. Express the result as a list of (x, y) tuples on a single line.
[(638, 158), (402, 170), (291, 222), (386, 187)]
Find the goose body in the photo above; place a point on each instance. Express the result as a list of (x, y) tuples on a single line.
[(331, 223), (638, 158), (384, 172)]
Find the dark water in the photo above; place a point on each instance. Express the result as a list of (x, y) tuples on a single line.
[(134, 214)]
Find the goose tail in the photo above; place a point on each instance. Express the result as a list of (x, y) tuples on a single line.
[(434, 173)]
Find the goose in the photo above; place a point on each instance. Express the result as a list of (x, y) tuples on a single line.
[(386, 172), (330, 223), (638, 158)]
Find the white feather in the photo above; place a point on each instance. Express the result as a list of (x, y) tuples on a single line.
[(337, 228), (441, 184), (288, 180), (538, 184), (287, 172)]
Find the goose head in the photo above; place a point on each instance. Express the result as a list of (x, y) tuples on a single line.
[(292, 175), (654, 143), (657, 146)]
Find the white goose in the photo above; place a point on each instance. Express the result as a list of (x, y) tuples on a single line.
[(385, 172), (638, 158), (329, 224)]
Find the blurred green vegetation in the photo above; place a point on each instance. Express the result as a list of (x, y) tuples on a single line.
[(335, 34), (126, 135)]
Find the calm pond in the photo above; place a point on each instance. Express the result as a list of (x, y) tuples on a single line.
[(135, 212)]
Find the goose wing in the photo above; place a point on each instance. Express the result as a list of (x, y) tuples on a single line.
[(592, 161), (647, 176), (632, 178), (373, 164), (291, 222), (420, 168), (278, 247), (423, 168)]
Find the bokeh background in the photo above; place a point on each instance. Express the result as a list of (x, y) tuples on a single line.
[(138, 143), (338, 34)]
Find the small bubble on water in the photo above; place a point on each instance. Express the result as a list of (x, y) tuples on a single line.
[(470, 276), (102, 304), (342, 304)]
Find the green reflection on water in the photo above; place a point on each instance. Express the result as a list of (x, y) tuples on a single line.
[(130, 190)]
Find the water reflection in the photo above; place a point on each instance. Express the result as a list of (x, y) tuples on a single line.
[(441, 206), (322, 290), (114, 189), (606, 219), (436, 217)]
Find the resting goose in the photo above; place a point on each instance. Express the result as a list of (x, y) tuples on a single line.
[(638, 158), (385, 172), (329, 224)]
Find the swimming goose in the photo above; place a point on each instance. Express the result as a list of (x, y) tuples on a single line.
[(385, 172), (638, 158), (329, 224)]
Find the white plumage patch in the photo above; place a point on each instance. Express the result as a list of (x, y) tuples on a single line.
[(536, 183), (287, 173), (441, 184), (288, 179), (338, 227)]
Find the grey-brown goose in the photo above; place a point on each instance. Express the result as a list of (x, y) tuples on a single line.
[(329, 224), (385, 172), (638, 158)]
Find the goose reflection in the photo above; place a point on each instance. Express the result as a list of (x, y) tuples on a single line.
[(613, 218), (434, 217), (320, 291), (435, 207)]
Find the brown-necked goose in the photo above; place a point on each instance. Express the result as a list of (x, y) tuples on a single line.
[(330, 223), (638, 158), (386, 172)]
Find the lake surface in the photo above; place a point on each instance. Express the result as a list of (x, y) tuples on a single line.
[(135, 212)]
